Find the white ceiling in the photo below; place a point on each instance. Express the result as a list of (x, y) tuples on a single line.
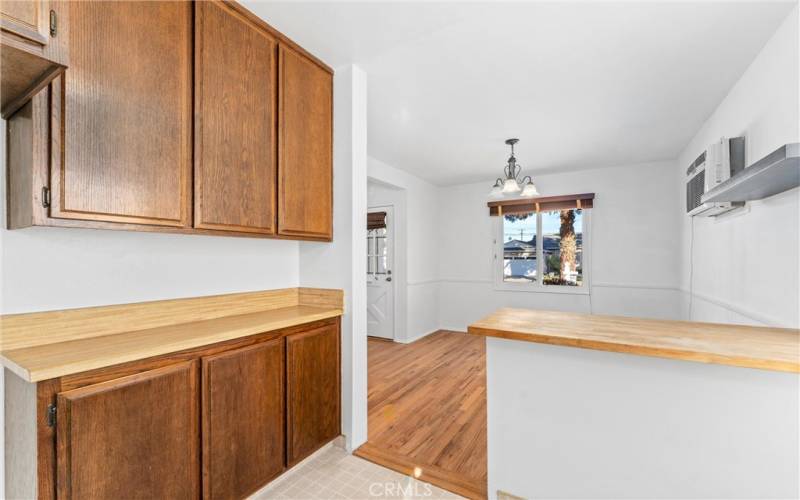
[(582, 85)]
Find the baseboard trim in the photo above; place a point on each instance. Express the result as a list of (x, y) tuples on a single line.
[(414, 339), (446, 480), (293, 469), (455, 329)]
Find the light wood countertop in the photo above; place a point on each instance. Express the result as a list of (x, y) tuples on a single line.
[(105, 336), (776, 349)]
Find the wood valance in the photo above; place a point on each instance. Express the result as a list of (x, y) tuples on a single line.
[(376, 220), (541, 204)]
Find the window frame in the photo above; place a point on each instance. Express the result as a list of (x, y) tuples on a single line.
[(538, 286), (373, 253)]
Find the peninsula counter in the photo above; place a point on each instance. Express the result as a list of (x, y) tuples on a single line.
[(589, 406)]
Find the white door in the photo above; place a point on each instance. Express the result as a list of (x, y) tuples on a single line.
[(380, 287)]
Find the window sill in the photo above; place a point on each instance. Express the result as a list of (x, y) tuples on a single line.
[(528, 288)]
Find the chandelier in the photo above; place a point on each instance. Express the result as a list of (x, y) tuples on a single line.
[(512, 185)]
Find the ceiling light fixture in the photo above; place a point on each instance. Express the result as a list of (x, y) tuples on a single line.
[(512, 184)]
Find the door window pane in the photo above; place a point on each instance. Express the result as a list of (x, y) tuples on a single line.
[(519, 248), (370, 252), (377, 252), (562, 247)]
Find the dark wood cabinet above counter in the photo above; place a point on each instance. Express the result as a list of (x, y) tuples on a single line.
[(235, 127), (125, 115), (305, 147), (33, 49), (188, 117)]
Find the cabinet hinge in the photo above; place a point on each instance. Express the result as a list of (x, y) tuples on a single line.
[(45, 196), (51, 415), (53, 23)]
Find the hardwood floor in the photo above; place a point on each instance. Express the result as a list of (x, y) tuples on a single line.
[(427, 410)]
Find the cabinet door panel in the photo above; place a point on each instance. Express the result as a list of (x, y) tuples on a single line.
[(127, 116), (25, 18), (133, 437), (243, 426), (236, 149), (305, 172), (312, 371)]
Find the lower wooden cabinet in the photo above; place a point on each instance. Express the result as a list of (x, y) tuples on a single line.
[(217, 422), (132, 437), (243, 426), (312, 388)]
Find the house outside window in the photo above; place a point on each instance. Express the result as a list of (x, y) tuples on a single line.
[(545, 251)]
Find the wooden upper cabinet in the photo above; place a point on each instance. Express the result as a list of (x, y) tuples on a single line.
[(133, 437), (312, 391), (186, 117), (235, 99), (33, 49), (243, 424), (305, 170), (125, 115), (27, 19)]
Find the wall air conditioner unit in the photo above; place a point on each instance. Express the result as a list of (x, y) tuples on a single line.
[(717, 164)]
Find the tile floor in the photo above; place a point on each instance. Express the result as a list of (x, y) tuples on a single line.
[(332, 473)]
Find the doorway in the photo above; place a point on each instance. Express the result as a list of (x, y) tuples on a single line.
[(426, 397), (380, 281)]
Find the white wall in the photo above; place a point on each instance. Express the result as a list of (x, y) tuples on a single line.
[(420, 241), (592, 424), (58, 268), (746, 266), (634, 230), (341, 264)]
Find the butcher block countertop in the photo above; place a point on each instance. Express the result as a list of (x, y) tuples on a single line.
[(41, 346), (776, 349)]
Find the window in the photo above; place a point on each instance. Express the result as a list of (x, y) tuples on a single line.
[(544, 251), (376, 251), (519, 248)]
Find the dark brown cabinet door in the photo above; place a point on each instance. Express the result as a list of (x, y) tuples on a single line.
[(312, 386), (243, 426), (26, 18), (235, 150), (31, 55), (125, 115), (305, 171), (133, 437)]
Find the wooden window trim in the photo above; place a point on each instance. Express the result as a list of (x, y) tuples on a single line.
[(541, 204)]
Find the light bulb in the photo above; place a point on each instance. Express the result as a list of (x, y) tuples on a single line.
[(496, 192), (530, 190), (510, 186)]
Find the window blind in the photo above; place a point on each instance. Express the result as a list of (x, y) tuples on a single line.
[(376, 220)]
